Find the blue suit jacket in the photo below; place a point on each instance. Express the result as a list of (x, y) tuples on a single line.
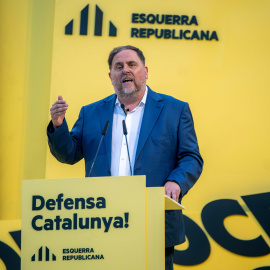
[(167, 147)]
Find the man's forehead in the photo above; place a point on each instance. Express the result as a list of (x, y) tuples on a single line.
[(126, 56)]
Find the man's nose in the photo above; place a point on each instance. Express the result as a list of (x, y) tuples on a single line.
[(126, 69)]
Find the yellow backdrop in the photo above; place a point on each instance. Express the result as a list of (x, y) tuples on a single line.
[(225, 81)]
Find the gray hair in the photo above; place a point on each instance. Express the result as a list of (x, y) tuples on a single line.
[(122, 48)]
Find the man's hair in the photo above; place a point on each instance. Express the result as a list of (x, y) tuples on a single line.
[(122, 48)]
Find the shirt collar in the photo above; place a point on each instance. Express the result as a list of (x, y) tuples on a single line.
[(141, 103)]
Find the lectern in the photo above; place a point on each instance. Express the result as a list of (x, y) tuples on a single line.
[(102, 223)]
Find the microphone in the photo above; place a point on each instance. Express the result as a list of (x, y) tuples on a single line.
[(102, 136), (104, 131), (124, 109), (125, 133)]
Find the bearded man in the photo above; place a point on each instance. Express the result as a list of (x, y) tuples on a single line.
[(161, 137)]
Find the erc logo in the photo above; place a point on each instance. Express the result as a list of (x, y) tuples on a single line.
[(43, 255), (84, 23)]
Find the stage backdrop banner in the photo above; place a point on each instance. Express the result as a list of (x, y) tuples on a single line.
[(83, 224), (212, 54)]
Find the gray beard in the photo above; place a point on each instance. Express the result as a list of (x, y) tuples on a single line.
[(128, 95)]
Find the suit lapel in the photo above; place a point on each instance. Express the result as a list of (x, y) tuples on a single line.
[(106, 113), (151, 113)]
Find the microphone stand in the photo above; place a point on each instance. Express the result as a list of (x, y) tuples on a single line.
[(125, 133), (103, 134)]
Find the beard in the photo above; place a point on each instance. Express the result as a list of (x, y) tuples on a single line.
[(129, 93)]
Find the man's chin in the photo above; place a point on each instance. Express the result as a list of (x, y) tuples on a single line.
[(129, 93)]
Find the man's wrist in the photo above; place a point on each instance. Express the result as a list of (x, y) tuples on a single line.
[(174, 181), (55, 127)]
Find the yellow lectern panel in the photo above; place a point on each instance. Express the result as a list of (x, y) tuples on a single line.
[(170, 204), (96, 223), (155, 229)]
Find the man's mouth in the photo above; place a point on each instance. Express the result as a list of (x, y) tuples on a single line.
[(127, 80)]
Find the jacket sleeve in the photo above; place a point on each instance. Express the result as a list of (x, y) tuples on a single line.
[(66, 146), (189, 161)]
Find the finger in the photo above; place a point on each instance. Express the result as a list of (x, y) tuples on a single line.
[(60, 98), (174, 197), (58, 109), (167, 190), (58, 113), (59, 106), (168, 193), (59, 103)]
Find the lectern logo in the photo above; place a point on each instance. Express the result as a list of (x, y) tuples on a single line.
[(43, 255), (84, 23)]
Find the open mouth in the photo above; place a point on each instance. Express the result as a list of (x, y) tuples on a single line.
[(127, 80)]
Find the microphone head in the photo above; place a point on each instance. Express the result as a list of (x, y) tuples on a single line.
[(124, 109), (124, 127), (105, 128)]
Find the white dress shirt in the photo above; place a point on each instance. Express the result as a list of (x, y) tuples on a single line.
[(119, 156)]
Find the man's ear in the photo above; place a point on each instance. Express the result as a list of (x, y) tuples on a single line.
[(110, 75), (146, 72)]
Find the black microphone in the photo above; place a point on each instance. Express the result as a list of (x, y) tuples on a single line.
[(124, 109), (105, 128), (102, 136), (125, 133)]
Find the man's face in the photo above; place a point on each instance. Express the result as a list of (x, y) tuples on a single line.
[(128, 75)]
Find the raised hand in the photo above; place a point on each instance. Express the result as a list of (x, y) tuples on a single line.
[(58, 111)]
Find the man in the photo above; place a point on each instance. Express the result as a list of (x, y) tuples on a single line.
[(161, 137)]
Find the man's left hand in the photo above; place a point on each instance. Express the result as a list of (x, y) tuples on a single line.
[(172, 190)]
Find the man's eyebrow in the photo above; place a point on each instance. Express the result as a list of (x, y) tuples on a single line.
[(118, 63), (132, 61), (121, 63)]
